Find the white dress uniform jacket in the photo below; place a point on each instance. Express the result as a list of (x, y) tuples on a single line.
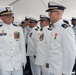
[(62, 47), (43, 47), (32, 41), (12, 47)]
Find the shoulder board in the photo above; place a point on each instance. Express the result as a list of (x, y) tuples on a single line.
[(36, 28), (49, 28), (16, 25), (0, 25), (65, 26)]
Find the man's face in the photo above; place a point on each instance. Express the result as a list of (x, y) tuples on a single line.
[(23, 25), (32, 24), (73, 22), (53, 16), (27, 23), (7, 19), (44, 23)]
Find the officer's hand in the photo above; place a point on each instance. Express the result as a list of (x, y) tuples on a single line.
[(47, 65), (23, 65)]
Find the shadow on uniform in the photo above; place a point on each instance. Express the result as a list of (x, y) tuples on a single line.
[(27, 70)]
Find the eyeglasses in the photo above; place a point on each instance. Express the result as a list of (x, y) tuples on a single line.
[(52, 11)]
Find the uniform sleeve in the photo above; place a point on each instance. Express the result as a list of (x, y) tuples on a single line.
[(68, 48), (22, 46), (47, 46)]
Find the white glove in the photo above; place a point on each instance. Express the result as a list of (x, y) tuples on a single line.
[(23, 65)]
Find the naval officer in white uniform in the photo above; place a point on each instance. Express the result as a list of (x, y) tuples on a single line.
[(32, 43), (62, 42), (42, 55), (12, 45)]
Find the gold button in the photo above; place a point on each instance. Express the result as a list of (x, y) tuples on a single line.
[(11, 42), (11, 49), (10, 35), (51, 41)]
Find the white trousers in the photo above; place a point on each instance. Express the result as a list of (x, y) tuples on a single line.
[(42, 70), (33, 65), (15, 72)]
